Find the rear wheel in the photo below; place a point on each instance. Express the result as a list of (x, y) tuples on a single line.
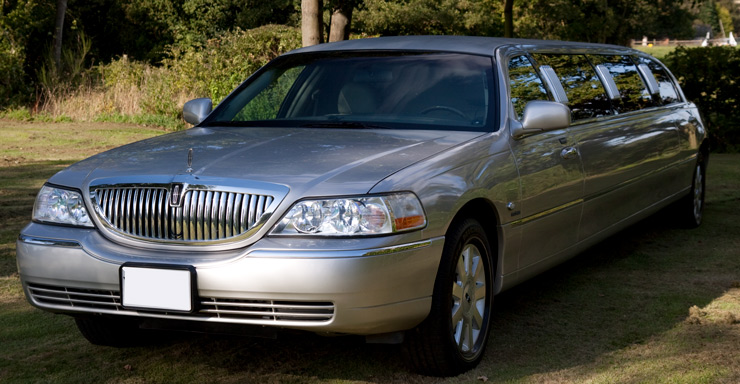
[(453, 337), (691, 208)]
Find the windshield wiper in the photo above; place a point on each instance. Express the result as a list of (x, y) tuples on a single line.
[(342, 124)]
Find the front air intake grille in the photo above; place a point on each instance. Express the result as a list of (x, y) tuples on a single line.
[(75, 297), (202, 215), (229, 310), (268, 310)]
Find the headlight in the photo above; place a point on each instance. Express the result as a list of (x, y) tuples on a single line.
[(61, 206), (353, 216)]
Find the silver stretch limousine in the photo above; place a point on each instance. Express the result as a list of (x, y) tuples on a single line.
[(386, 187)]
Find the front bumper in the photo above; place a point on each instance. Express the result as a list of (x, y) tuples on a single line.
[(275, 282)]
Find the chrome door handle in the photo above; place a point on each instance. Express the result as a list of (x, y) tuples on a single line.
[(569, 153)]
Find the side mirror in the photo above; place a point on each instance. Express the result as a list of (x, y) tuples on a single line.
[(196, 110), (541, 116)]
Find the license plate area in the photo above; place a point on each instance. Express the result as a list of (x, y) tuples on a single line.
[(155, 287)]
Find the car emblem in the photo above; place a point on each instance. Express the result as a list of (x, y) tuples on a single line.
[(190, 161), (176, 194)]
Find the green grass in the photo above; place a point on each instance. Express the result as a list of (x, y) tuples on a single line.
[(651, 304), (657, 51)]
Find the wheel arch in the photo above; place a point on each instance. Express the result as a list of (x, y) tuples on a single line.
[(484, 211)]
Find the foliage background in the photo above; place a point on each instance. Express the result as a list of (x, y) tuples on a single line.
[(140, 60), (709, 78)]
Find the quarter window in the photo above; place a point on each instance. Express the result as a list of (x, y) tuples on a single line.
[(586, 95), (633, 93), (668, 92), (525, 84)]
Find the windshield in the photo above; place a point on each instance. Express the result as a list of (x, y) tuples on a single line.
[(365, 90)]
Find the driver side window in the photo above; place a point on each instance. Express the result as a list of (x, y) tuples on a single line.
[(525, 84)]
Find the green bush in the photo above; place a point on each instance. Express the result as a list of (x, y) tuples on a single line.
[(209, 70), (12, 76), (218, 66), (709, 78)]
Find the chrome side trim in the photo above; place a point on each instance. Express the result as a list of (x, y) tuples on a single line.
[(49, 242), (398, 248), (590, 197), (548, 212), (337, 254), (634, 180)]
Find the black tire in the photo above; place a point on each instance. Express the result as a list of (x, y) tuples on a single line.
[(108, 331), (452, 339), (690, 209)]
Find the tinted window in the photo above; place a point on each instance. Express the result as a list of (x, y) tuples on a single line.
[(404, 90), (668, 92), (634, 94), (586, 95), (525, 84)]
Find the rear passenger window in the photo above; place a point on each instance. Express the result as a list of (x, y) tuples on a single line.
[(586, 95), (632, 91), (668, 92), (525, 84)]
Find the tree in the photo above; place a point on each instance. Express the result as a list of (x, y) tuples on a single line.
[(614, 22), (430, 17), (341, 19), (58, 31), (509, 18), (311, 22)]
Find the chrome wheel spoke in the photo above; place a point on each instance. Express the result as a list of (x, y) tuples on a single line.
[(461, 272), (458, 293), (468, 258), (477, 311), (457, 314), (463, 342), (468, 298)]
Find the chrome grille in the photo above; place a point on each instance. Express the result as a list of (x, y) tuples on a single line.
[(75, 297), (204, 215), (230, 310), (268, 309)]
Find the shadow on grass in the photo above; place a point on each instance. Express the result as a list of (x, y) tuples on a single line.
[(628, 289), (633, 287)]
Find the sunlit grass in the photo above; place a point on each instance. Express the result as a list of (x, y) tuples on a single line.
[(653, 304)]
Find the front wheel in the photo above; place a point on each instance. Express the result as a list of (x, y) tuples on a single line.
[(453, 337)]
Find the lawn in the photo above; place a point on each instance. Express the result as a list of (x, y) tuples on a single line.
[(652, 304), (658, 51)]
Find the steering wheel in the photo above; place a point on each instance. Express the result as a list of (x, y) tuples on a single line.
[(444, 108)]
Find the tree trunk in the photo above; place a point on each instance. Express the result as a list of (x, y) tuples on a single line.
[(58, 28), (341, 19), (508, 18), (311, 22)]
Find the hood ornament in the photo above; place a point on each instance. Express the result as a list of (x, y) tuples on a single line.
[(190, 161)]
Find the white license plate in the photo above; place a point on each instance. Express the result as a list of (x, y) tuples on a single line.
[(156, 289)]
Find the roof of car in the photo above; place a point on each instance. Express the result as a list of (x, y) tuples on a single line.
[(477, 45)]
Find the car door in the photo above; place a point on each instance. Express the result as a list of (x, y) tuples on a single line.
[(551, 178), (626, 156)]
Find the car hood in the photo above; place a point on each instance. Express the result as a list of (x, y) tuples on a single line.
[(308, 161)]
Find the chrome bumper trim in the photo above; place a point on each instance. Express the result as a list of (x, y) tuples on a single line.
[(49, 242)]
